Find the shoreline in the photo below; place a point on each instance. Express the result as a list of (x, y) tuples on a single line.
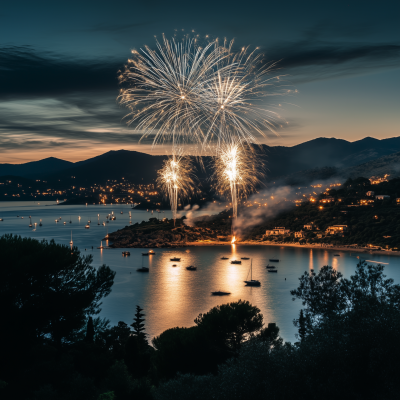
[(303, 246)]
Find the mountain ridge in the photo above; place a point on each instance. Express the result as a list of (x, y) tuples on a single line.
[(280, 161)]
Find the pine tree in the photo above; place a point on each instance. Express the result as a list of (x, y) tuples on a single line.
[(302, 326), (138, 325), (90, 331)]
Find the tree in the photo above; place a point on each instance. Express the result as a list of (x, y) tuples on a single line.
[(90, 331), (138, 325), (302, 326), (46, 293), (327, 294), (228, 325)]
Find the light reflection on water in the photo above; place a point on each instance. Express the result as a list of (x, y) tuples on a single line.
[(173, 296)]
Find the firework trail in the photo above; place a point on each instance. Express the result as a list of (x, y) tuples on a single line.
[(176, 179), (237, 172)]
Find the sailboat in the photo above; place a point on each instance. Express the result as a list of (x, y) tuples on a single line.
[(252, 282), (98, 219), (70, 220), (40, 223), (101, 245), (71, 242), (143, 269), (30, 222)]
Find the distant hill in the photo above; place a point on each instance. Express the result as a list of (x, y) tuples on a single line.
[(322, 157), (325, 152), (389, 164), (35, 169)]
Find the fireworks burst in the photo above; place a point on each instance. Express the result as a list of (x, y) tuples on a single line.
[(238, 92), (168, 89), (175, 179), (237, 172)]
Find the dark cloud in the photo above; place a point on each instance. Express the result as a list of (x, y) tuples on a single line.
[(26, 72), (308, 60)]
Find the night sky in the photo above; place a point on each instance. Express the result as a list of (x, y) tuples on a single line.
[(59, 64)]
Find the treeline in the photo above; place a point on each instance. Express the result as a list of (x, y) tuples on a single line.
[(54, 345)]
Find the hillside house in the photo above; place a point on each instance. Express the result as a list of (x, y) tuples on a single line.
[(336, 229), (299, 234), (310, 227), (398, 201), (277, 231), (382, 197), (366, 202), (327, 200)]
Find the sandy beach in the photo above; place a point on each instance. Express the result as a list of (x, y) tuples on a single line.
[(304, 246)]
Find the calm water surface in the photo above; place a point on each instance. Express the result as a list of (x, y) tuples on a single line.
[(173, 296)]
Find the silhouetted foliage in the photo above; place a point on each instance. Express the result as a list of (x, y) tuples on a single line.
[(90, 331), (138, 325)]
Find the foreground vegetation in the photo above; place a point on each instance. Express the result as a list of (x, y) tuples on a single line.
[(53, 346)]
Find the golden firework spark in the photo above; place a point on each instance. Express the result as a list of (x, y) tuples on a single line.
[(237, 94), (175, 179), (237, 172)]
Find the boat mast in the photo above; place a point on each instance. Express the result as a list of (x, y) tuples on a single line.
[(251, 269)]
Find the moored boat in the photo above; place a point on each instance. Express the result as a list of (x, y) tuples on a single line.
[(274, 259), (219, 293), (270, 266), (252, 282), (272, 270), (224, 258), (191, 268), (126, 253), (175, 259), (142, 269), (236, 262), (245, 258)]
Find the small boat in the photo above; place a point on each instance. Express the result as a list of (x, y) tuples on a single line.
[(175, 259), (224, 258), (236, 262), (252, 282), (219, 293), (56, 220), (1, 219), (191, 268), (122, 212), (174, 265), (71, 242), (336, 255), (113, 218), (22, 217), (40, 223), (245, 258), (87, 226), (270, 266), (272, 270), (274, 259), (65, 223), (17, 216), (60, 218), (30, 222), (126, 253), (104, 224), (143, 269), (101, 245)]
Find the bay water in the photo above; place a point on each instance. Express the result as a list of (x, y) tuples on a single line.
[(173, 296)]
